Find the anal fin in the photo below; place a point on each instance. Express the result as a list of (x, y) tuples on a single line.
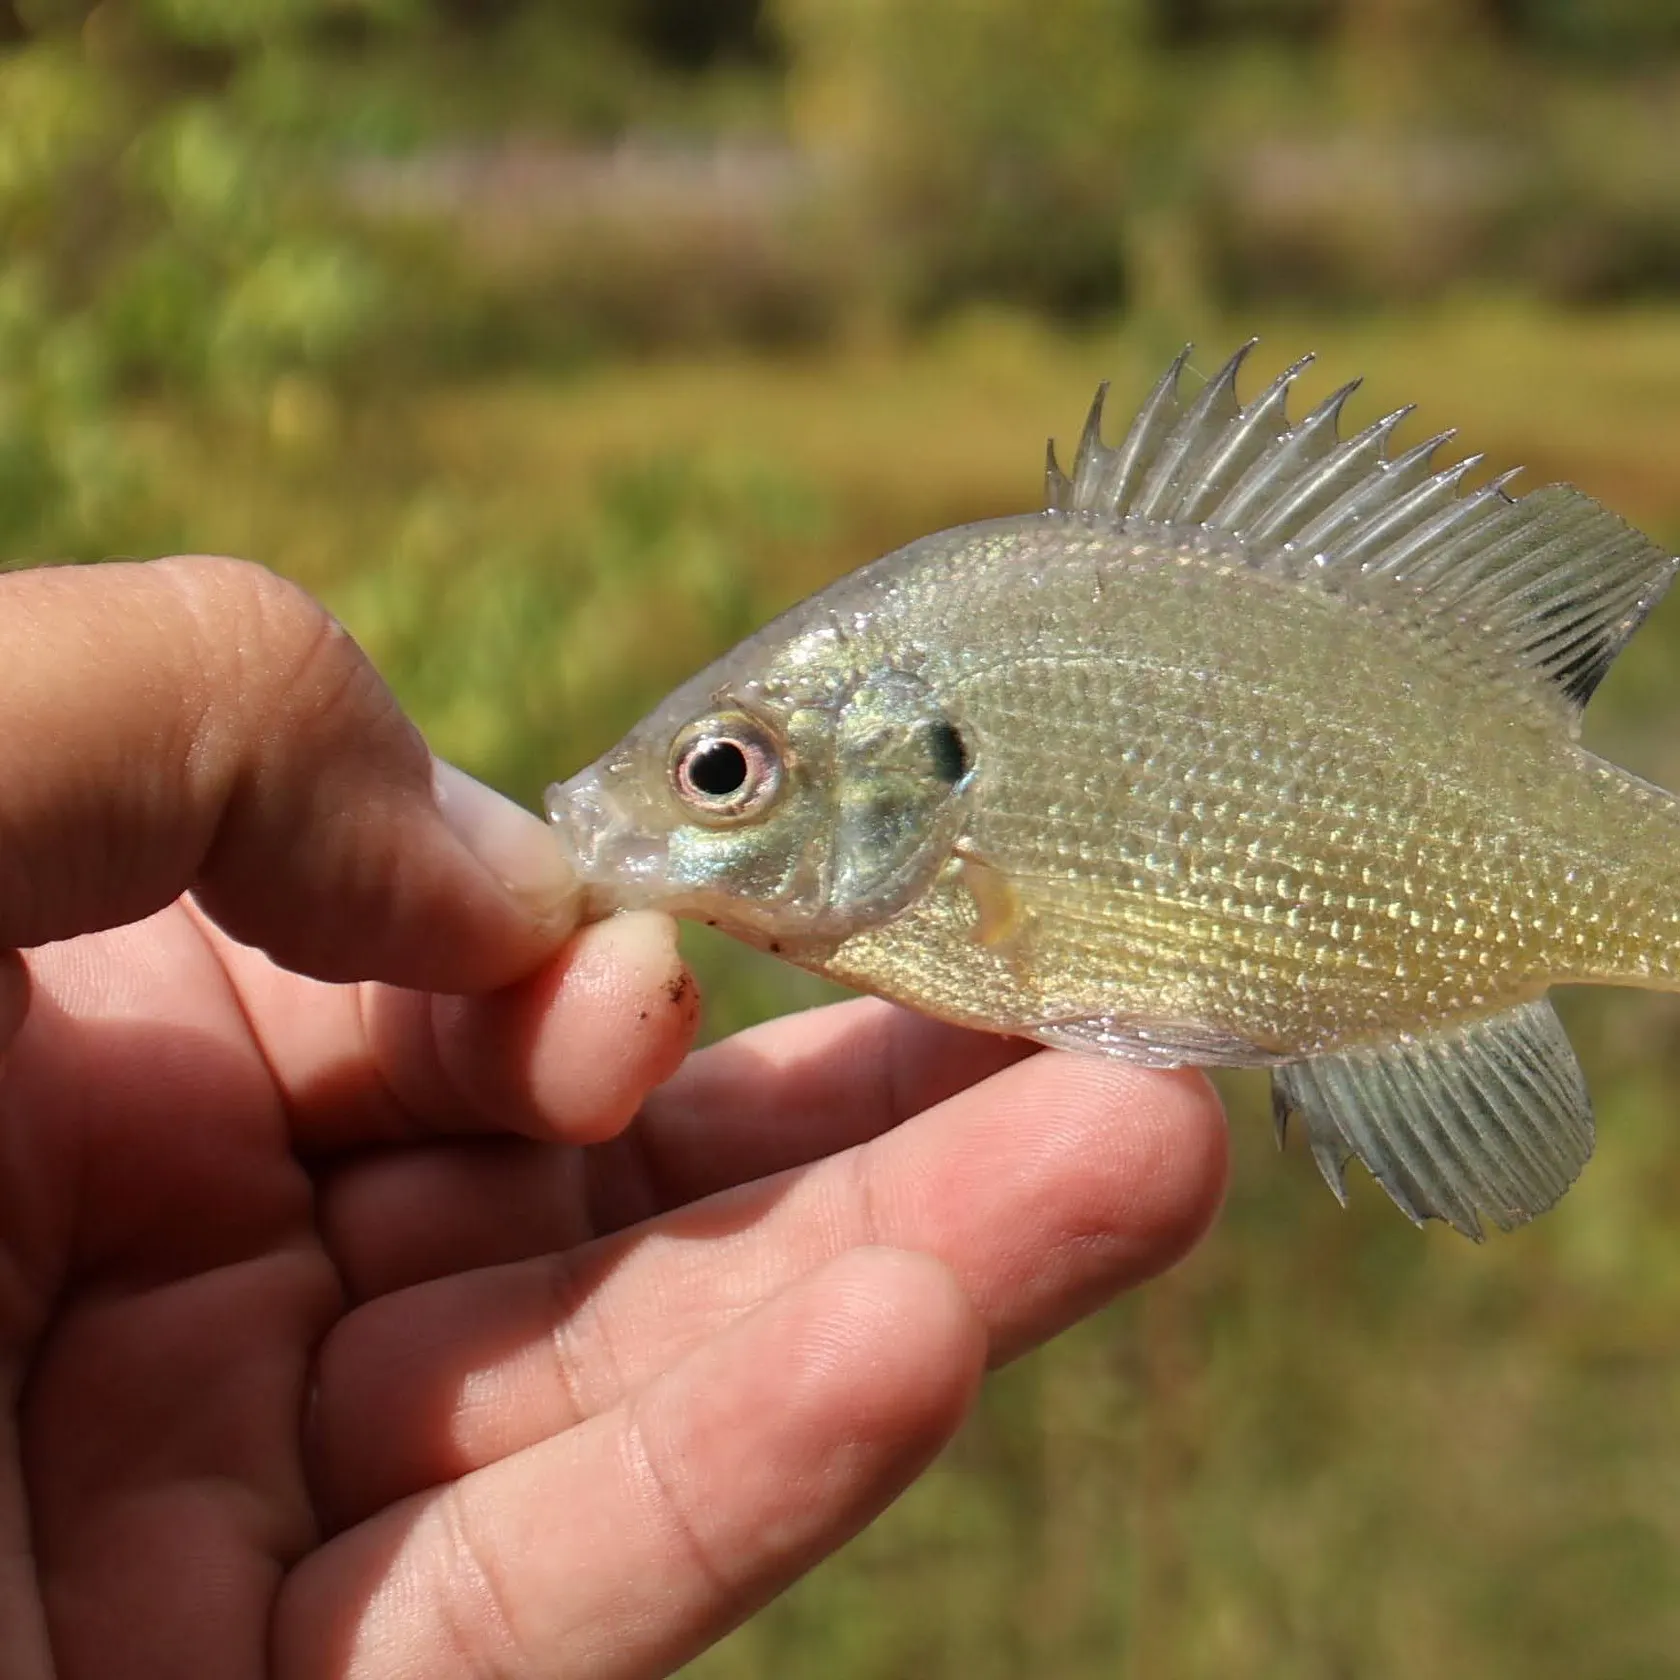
[(1491, 1117)]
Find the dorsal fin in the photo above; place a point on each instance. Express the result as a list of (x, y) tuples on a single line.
[(1549, 583)]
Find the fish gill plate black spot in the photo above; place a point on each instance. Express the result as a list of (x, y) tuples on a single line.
[(950, 753)]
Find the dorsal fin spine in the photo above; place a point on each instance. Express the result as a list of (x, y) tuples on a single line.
[(1457, 516), (1058, 488), (1247, 440), (1418, 503), (1384, 487), (1088, 460), (1189, 439), (1466, 534), (1124, 466), (1302, 444), (1316, 489)]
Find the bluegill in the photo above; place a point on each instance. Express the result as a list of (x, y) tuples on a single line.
[(1256, 747)]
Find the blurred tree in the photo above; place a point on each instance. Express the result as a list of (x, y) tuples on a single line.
[(679, 35), (1623, 32), (185, 204), (1183, 22), (987, 143), (696, 37)]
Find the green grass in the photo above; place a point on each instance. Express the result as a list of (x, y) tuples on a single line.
[(1328, 1446)]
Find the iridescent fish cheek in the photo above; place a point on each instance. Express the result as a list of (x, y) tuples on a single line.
[(902, 766), (752, 868), (831, 821)]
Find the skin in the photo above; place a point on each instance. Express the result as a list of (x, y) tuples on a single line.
[(353, 1326)]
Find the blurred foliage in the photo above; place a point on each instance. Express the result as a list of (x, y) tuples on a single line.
[(555, 345), (162, 227), (240, 204), (990, 146)]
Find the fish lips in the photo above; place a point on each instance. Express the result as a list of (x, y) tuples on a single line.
[(621, 865)]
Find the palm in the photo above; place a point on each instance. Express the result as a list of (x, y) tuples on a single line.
[(304, 1369), (166, 1286)]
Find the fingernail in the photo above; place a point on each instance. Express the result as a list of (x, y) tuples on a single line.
[(516, 847)]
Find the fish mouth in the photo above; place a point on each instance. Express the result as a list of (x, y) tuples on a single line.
[(621, 865)]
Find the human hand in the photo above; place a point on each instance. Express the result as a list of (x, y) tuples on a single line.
[(354, 1327)]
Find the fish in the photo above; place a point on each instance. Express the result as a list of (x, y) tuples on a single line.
[(1256, 746)]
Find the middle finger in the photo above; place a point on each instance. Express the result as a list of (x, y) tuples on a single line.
[(1045, 1189), (777, 1096)]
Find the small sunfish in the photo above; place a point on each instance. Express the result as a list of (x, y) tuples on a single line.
[(1257, 746)]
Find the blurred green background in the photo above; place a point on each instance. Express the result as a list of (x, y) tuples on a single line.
[(556, 345)]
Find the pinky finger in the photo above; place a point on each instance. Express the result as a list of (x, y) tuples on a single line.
[(621, 1548)]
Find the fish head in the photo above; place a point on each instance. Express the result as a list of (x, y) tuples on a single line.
[(787, 793)]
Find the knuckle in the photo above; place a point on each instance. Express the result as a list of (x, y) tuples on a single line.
[(252, 624), (863, 1195), (658, 1482), (479, 1622), (270, 654), (589, 1376)]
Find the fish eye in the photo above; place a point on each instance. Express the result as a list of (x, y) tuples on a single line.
[(726, 768)]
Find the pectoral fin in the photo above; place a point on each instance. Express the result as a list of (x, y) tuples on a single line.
[(998, 913), (1491, 1117)]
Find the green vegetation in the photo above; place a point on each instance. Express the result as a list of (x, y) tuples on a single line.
[(337, 286)]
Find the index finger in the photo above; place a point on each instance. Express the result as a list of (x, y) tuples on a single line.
[(201, 724)]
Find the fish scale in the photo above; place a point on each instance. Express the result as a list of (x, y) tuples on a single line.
[(1271, 753), (1257, 746)]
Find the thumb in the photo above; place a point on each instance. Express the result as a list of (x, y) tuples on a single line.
[(199, 724)]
